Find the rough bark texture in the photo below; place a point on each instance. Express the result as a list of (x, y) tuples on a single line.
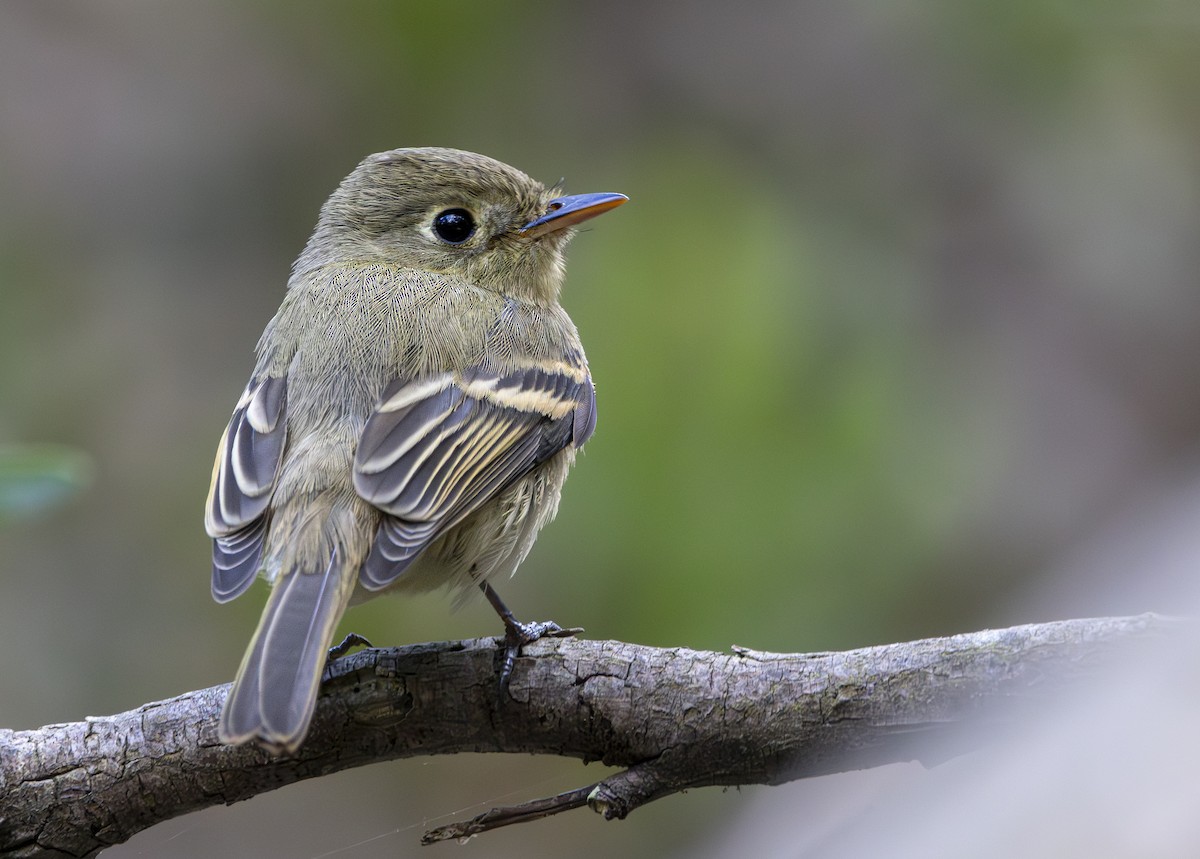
[(676, 718)]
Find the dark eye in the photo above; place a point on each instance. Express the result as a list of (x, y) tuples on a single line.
[(454, 226)]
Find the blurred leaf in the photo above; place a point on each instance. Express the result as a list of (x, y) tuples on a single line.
[(36, 478)]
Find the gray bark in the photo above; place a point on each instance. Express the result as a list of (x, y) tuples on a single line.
[(675, 718)]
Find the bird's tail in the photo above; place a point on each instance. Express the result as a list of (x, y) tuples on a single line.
[(273, 697)]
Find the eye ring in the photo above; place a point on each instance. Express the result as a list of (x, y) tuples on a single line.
[(454, 226)]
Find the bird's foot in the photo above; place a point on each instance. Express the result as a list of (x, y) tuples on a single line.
[(517, 634), (347, 644)]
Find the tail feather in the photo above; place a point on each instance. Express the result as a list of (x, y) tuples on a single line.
[(273, 697)]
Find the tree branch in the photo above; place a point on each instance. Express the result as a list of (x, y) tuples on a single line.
[(675, 718)]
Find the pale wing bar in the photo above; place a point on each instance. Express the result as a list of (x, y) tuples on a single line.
[(436, 449), (244, 475)]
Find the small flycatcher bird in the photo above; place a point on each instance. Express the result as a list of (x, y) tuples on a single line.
[(414, 408)]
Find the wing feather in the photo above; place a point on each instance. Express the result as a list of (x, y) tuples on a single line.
[(437, 449), (244, 474)]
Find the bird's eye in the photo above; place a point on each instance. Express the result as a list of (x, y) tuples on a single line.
[(454, 226)]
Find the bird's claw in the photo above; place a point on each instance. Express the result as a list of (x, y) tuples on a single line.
[(517, 635), (347, 644)]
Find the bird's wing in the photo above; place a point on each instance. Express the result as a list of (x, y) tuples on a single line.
[(437, 448), (243, 478)]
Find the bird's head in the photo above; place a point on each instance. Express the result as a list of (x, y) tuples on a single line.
[(454, 213)]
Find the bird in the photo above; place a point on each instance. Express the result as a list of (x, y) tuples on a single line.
[(413, 410)]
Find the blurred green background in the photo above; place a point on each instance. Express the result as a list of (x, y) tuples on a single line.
[(903, 313)]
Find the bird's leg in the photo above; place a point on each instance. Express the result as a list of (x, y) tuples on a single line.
[(347, 644), (517, 634)]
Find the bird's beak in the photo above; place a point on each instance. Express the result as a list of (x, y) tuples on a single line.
[(568, 211)]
